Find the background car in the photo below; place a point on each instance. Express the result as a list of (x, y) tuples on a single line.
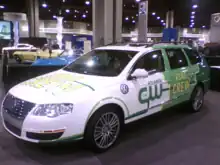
[(30, 56), (19, 47)]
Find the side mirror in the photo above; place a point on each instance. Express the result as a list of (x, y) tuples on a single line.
[(138, 73)]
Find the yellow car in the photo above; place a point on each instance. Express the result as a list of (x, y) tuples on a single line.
[(30, 56)]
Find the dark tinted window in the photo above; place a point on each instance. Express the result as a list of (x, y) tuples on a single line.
[(176, 58), (102, 62), (193, 56), (151, 62)]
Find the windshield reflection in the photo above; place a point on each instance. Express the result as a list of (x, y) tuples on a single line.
[(102, 62)]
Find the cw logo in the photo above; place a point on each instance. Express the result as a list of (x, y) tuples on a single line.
[(150, 93)]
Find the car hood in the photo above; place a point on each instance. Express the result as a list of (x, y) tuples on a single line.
[(60, 86)]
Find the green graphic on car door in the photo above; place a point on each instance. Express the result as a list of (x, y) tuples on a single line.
[(182, 83), (151, 92)]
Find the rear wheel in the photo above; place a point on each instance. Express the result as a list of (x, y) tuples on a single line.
[(103, 130), (197, 99)]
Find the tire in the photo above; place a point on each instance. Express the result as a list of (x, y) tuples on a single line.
[(197, 99), (96, 128), (17, 58)]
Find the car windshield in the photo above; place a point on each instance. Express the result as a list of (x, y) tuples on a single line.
[(67, 53), (108, 63)]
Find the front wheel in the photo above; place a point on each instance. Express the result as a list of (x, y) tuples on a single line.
[(197, 99), (18, 59), (103, 130)]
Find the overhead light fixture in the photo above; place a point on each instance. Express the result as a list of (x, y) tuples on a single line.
[(193, 12), (162, 21), (138, 0), (2, 7), (153, 13), (192, 20), (54, 16), (44, 5), (192, 16), (203, 26), (164, 24), (87, 2), (133, 21), (126, 18), (195, 6), (84, 16), (158, 17), (67, 10)]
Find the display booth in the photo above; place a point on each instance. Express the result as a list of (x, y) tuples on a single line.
[(170, 34)]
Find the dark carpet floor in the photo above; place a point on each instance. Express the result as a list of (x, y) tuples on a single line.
[(174, 137)]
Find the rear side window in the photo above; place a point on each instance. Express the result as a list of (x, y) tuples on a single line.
[(176, 58), (193, 56)]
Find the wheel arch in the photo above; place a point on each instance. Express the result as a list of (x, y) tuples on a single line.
[(201, 84), (109, 102)]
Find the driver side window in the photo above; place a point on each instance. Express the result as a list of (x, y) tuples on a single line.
[(151, 62)]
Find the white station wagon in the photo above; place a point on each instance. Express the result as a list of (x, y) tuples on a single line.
[(110, 86)]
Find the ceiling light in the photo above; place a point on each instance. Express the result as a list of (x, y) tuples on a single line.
[(44, 5), (126, 18), (87, 11), (2, 7), (138, 0), (74, 16), (192, 20), (192, 16), (192, 23), (203, 26), (84, 16), (67, 10), (133, 21), (164, 24), (195, 6), (158, 17), (153, 13), (87, 2), (54, 16), (162, 21), (193, 12)]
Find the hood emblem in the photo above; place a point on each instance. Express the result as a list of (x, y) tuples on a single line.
[(217, 18)]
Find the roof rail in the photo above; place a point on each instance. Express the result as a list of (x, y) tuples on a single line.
[(139, 44)]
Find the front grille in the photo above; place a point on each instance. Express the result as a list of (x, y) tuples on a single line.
[(16, 107), (13, 129)]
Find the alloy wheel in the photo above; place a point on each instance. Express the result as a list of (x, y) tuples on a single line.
[(106, 130), (198, 99)]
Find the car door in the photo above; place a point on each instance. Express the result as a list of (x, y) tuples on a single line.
[(153, 91), (178, 75), (194, 68)]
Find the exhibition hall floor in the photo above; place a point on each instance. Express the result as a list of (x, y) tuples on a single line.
[(174, 137)]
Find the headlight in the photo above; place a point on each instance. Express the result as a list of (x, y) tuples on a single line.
[(53, 110)]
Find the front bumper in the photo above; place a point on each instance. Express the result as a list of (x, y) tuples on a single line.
[(40, 129)]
